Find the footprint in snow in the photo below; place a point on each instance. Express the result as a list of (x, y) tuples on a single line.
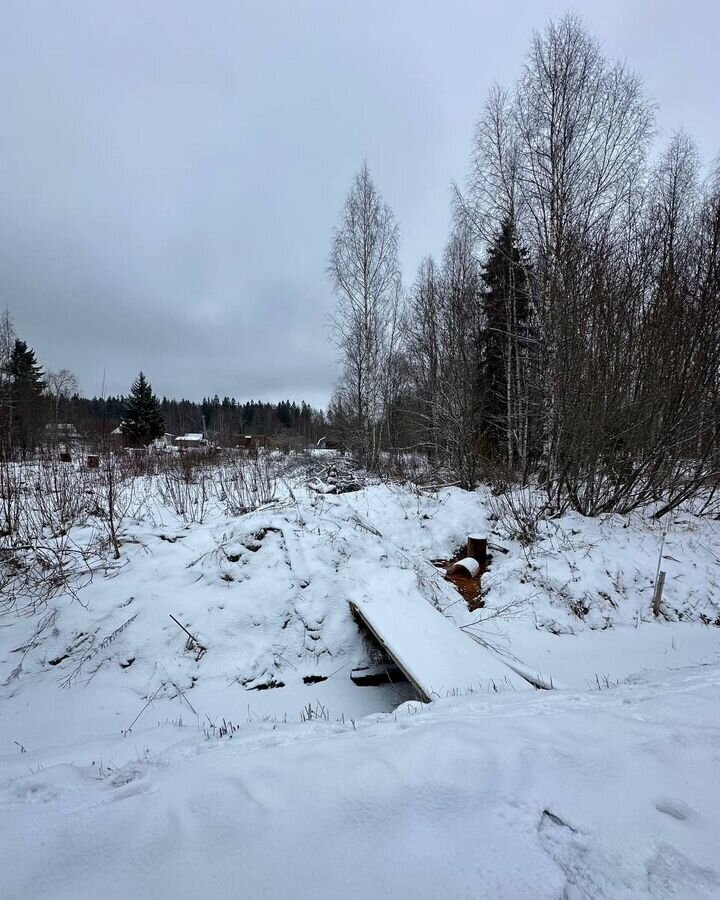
[(678, 809)]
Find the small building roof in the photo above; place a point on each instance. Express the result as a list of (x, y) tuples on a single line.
[(193, 436), (61, 427)]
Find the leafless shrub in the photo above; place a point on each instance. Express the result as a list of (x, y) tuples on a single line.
[(184, 486), (517, 512), (245, 484), (114, 495), (38, 556), (709, 504), (507, 610), (12, 483), (63, 493), (410, 468), (42, 504), (141, 462)]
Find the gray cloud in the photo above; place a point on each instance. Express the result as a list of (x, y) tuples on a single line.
[(170, 172)]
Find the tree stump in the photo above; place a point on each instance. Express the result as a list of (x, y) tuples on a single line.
[(477, 548)]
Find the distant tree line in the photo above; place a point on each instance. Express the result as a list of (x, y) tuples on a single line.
[(570, 333), (37, 406), (226, 420)]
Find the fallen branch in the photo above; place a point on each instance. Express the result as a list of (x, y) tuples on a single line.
[(201, 647)]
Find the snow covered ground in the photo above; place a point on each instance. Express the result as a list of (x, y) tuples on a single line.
[(137, 761)]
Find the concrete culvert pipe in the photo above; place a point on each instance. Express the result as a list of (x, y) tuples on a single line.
[(467, 566)]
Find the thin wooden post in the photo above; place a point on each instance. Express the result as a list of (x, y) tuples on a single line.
[(657, 597)]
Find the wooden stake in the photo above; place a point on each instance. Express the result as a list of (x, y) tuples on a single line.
[(657, 598)]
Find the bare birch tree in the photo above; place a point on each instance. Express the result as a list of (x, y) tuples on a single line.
[(444, 339), (423, 342), (583, 126), (60, 385), (7, 342), (365, 273)]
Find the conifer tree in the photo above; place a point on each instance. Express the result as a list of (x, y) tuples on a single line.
[(26, 388), (506, 305), (144, 420)]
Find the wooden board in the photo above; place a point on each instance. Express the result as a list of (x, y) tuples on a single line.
[(435, 656)]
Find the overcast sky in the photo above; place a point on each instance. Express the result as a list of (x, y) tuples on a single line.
[(170, 172)]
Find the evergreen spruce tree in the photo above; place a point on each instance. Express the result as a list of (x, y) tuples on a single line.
[(26, 389), (144, 420), (506, 305)]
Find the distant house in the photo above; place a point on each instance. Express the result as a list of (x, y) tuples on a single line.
[(252, 441), (167, 440), (118, 439), (62, 432), (188, 441)]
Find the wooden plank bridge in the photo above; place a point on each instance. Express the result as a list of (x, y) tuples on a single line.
[(437, 657)]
